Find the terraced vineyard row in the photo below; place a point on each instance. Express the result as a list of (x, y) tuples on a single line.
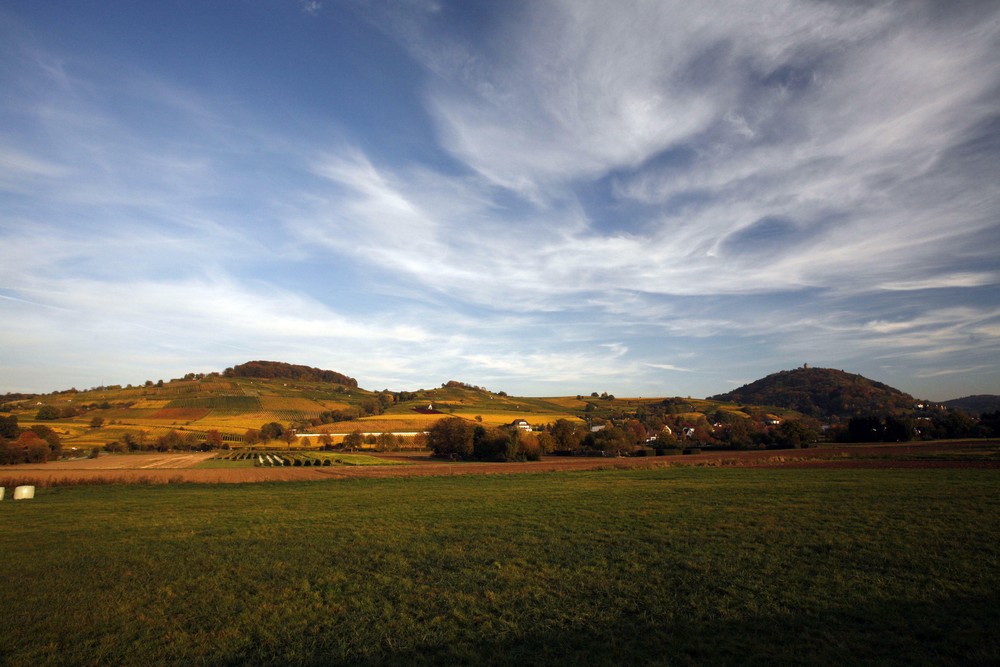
[(226, 403)]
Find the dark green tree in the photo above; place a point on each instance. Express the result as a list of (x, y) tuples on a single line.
[(451, 437), (897, 429), (47, 412), (9, 428), (865, 429), (271, 431), (566, 434), (792, 434)]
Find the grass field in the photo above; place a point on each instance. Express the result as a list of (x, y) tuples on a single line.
[(673, 566)]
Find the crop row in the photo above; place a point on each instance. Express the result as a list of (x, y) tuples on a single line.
[(230, 402), (277, 459)]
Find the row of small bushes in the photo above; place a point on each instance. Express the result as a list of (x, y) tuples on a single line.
[(236, 456), (293, 460)]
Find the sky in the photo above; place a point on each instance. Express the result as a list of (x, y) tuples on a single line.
[(648, 198)]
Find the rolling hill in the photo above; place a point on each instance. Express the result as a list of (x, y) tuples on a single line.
[(822, 393), (313, 401), (975, 405)]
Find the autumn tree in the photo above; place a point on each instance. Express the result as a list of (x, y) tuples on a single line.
[(635, 431), (213, 439), (665, 439), (326, 441), (546, 443), (610, 439), (386, 441), (354, 440), (34, 448), (566, 434), (176, 440), (451, 437), (47, 434)]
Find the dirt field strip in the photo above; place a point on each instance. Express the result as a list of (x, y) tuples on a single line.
[(175, 461), (179, 467)]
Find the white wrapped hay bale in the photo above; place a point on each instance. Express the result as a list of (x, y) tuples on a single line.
[(24, 492)]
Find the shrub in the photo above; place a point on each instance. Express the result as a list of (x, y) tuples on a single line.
[(47, 412)]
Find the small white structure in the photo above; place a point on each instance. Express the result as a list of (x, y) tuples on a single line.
[(24, 492), (521, 424)]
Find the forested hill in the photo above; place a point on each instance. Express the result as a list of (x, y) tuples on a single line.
[(281, 370), (976, 405), (822, 393)]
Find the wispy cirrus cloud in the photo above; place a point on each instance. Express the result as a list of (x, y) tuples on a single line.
[(634, 193)]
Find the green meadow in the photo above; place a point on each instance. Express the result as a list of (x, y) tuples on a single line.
[(674, 566)]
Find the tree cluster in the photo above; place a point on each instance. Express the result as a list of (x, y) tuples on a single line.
[(281, 370), (452, 384), (37, 444), (457, 439), (949, 424)]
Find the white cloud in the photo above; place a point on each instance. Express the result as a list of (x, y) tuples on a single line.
[(805, 179), (670, 367), (838, 117), (310, 7)]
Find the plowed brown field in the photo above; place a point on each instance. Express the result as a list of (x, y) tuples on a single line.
[(164, 468)]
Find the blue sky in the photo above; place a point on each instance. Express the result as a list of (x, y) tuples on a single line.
[(647, 198)]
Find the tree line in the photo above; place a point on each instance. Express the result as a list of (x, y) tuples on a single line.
[(948, 425), (281, 370), (37, 444)]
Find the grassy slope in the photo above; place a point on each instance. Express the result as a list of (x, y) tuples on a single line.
[(686, 566)]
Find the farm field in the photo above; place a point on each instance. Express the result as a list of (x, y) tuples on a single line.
[(199, 467), (680, 565)]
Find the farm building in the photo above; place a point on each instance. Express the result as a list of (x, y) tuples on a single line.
[(520, 424)]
